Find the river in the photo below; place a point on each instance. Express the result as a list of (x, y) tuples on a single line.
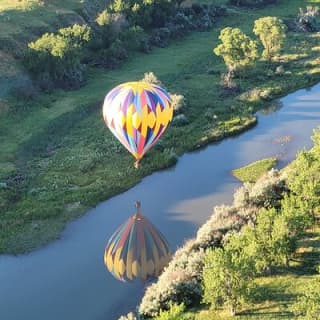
[(67, 280)]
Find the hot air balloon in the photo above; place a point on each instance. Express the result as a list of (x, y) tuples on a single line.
[(137, 113), (136, 250)]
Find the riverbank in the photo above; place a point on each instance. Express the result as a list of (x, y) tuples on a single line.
[(177, 211), (292, 260), (59, 159)]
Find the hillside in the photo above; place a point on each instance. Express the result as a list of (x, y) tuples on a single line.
[(22, 21)]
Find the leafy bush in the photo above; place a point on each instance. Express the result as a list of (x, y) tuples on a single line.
[(174, 313), (184, 23), (179, 283), (181, 280), (112, 57), (223, 219), (133, 37), (180, 120), (160, 37), (58, 56), (307, 20), (178, 102), (104, 18), (204, 23), (266, 192), (129, 316), (150, 77)]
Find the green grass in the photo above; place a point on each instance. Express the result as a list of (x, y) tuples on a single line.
[(253, 171), (58, 159), (275, 294), (22, 21)]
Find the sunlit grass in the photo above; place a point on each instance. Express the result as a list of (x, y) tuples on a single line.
[(253, 171)]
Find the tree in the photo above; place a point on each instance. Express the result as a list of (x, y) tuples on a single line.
[(237, 49), (268, 243), (104, 18), (227, 276), (59, 55), (304, 178), (272, 32), (297, 213)]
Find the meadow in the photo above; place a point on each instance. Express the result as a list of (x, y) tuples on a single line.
[(57, 157)]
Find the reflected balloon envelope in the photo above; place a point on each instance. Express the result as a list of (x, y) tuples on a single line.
[(136, 250)]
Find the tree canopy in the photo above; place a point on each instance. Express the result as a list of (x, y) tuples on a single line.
[(237, 49), (272, 32)]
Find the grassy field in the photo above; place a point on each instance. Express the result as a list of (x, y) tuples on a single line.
[(57, 158), (253, 171), (22, 21), (275, 294)]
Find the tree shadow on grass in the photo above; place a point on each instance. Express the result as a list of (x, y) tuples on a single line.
[(274, 299), (308, 258), (272, 292)]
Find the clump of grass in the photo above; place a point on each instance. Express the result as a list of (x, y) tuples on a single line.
[(253, 171)]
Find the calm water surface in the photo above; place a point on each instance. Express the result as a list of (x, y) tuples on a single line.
[(67, 280)]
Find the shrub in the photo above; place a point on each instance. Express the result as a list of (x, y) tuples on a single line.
[(180, 120), (183, 21), (179, 283), (178, 102), (160, 37), (129, 316), (112, 57), (133, 37), (174, 313), (223, 219), (59, 55), (104, 18), (307, 20), (150, 77), (266, 192), (205, 23), (170, 156)]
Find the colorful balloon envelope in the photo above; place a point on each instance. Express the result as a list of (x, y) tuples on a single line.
[(136, 250), (137, 113)]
